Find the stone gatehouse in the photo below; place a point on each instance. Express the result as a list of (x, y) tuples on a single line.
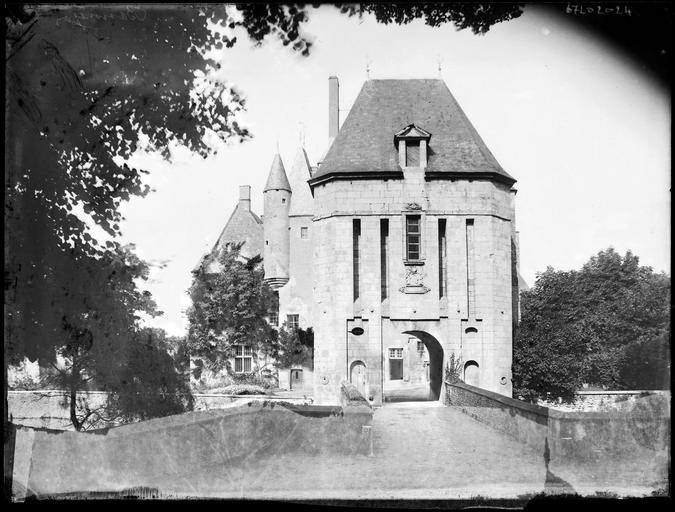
[(399, 248)]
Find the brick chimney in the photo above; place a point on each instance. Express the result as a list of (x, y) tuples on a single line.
[(245, 197), (333, 107)]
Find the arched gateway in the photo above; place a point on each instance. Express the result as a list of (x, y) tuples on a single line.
[(435, 365), (412, 367)]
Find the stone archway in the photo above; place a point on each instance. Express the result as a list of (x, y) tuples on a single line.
[(435, 361)]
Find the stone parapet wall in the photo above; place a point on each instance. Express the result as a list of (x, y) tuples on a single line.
[(151, 452), (47, 408), (635, 436), (523, 421), (602, 400)]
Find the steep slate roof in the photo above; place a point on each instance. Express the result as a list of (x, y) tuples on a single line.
[(365, 143), (277, 179), (302, 202), (242, 226)]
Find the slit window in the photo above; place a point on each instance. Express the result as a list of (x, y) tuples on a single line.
[(356, 240), (413, 237), (384, 241), (442, 259)]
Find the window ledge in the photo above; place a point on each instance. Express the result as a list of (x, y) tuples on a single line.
[(413, 262)]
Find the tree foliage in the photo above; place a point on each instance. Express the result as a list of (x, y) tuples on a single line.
[(607, 325), (85, 81), (231, 308), (88, 86), (478, 17), (296, 347)]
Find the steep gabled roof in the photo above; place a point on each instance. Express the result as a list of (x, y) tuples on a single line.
[(242, 226), (383, 107), (277, 179), (302, 202)]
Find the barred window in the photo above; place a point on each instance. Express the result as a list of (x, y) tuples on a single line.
[(243, 358)]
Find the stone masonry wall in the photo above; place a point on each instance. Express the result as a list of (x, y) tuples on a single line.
[(337, 203), (635, 438)]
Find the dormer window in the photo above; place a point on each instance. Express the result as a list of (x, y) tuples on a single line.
[(412, 143)]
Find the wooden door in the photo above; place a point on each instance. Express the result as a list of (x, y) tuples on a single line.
[(358, 377), (296, 379)]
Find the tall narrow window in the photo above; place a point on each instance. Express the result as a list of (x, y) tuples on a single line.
[(356, 226), (470, 283), (412, 237), (384, 242), (442, 259)]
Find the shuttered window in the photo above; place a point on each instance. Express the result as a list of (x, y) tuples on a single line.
[(412, 153)]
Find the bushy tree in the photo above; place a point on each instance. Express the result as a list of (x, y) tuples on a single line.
[(607, 324), (296, 347), (230, 308), (104, 348)]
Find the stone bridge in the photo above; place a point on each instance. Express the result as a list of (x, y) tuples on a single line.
[(477, 446)]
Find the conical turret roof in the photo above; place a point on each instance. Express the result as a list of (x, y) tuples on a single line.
[(277, 179), (302, 202)]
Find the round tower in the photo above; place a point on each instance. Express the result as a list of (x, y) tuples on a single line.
[(276, 226)]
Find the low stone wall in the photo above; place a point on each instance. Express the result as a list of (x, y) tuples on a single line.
[(640, 430), (588, 401), (149, 453), (47, 408), (615, 445), (523, 421)]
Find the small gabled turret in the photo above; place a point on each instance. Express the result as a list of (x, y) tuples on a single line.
[(276, 225), (302, 203)]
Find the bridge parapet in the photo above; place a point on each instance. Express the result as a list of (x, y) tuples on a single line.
[(634, 438), (146, 453)]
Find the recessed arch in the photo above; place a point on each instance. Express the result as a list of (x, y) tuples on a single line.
[(471, 373)]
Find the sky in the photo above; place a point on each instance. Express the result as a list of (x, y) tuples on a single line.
[(585, 133)]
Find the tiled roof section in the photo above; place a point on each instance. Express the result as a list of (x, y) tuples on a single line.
[(365, 142), (277, 179), (302, 202), (242, 226)]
